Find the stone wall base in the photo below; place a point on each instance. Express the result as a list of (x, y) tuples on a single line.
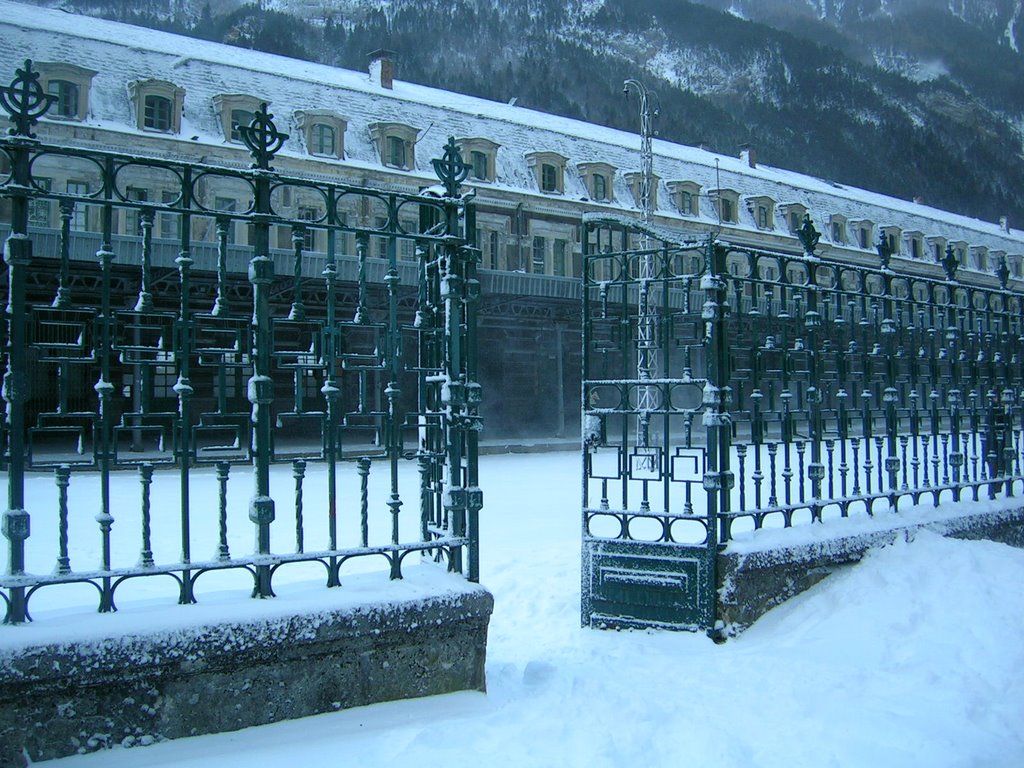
[(59, 699), (751, 581)]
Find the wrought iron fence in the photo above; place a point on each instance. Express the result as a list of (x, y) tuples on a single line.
[(790, 389), (211, 376)]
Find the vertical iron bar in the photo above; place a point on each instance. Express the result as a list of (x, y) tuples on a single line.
[(146, 480), (62, 476)]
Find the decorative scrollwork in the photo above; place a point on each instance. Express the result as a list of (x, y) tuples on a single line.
[(451, 169), (25, 100), (262, 137)]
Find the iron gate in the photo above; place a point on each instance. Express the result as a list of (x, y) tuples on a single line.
[(655, 427)]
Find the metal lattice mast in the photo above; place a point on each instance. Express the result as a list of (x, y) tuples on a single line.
[(646, 335)]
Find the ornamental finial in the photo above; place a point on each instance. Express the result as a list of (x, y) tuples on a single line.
[(25, 100), (451, 169), (262, 137)]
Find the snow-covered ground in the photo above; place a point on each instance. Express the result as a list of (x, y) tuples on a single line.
[(912, 658)]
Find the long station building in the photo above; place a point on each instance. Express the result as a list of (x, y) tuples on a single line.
[(128, 89)]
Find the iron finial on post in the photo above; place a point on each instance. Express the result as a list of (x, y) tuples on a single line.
[(262, 137), (950, 263), (808, 235), (884, 251), (25, 100), (1003, 273), (451, 169)]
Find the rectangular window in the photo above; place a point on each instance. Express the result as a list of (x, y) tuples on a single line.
[(937, 250), (396, 152), (67, 98), (864, 238), (324, 140), (600, 187), (169, 223), (240, 117), (539, 265), (892, 243), (495, 260), (837, 232), (727, 213), (156, 113), (794, 221), (915, 248), (478, 161), (308, 213), (227, 205), (80, 218), (548, 178), (686, 204), (558, 260), (762, 216), (381, 222), (39, 209), (132, 220)]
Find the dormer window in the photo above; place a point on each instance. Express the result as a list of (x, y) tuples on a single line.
[(864, 234), (837, 225), (66, 93), (158, 105), (794, 213), (70, 84), (893, 236), (599, 179), (936, 247), (324, 132), (686, 196), (234, 110), (763, 210), (634, 178), (396, 143), (481, 154), (979, 258), (915, 244), (549, 171), (726, 204)]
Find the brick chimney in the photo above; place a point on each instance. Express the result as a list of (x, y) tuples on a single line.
[(748, 155), (382, 68)]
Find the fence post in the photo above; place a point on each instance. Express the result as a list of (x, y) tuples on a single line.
[(718, 478), (25, 101), (263, 140)]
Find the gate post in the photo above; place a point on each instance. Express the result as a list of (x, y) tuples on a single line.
[(718, 479)]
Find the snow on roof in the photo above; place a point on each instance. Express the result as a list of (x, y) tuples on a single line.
[(121, 53)]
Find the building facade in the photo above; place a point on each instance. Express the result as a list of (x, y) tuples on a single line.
[(534, 175)]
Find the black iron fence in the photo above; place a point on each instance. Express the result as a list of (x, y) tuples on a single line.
[(728, 388), (134, 363)]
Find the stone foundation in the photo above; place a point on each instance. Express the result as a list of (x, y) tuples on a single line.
[(63, 698), (755, 577)]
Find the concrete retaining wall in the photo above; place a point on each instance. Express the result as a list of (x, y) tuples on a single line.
[(59, 699), (754, 578)]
